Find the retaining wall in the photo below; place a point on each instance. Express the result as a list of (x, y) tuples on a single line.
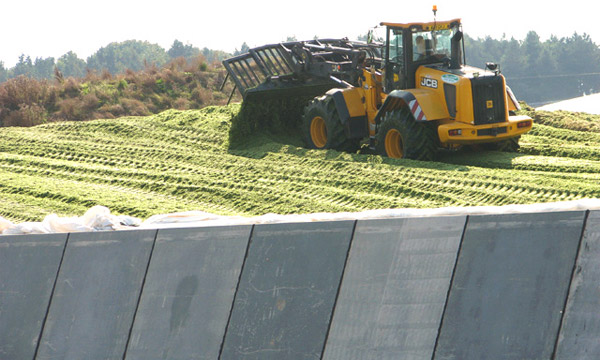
[(458, 287)]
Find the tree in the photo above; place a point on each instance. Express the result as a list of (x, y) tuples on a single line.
[(3, 72), (71, 65), (130, 54), (43, 68), (511, 61), (539, 71), (532, 50), (243, 50), (215, 55), (23, 67), (178, 49)]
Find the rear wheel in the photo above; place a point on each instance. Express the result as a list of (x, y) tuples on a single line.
[(322, 127), (400, 136)]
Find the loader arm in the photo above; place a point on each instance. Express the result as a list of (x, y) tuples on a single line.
[(301, 68)]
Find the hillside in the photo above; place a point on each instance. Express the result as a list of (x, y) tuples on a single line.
[(180, 84), (181, 160)]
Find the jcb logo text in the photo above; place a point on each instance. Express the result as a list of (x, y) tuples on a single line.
[(427, 82)]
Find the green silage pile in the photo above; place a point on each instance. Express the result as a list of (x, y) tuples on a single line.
[(187, 160)]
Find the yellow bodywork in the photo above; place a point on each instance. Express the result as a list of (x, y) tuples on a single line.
[(353, 98), (429, 92), (469, 133), (428, 26), (432, 103)]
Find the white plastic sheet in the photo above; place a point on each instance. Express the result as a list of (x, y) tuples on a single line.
[(99, 217), (5, 224), (194, 219), (588, 104), (96, 218)]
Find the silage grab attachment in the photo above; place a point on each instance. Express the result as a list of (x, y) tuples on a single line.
[(300, 68)]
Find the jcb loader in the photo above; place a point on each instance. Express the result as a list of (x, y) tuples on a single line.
[(405, 97)]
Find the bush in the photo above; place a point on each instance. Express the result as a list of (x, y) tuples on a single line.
[(24, 101), (115, 110), (27, 115), (90, 103), (181, 84), (70, 109), (134, 107), (202, 96), (71, 87), (181, 104), (23, 91)]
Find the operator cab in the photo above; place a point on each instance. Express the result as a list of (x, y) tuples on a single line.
[(409, 46)]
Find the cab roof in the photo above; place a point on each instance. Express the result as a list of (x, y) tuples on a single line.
[(438, 25)]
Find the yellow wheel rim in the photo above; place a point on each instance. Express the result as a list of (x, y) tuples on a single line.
[(318, 132), (393, 144)]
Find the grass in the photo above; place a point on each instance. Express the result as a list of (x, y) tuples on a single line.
[(183, 160)]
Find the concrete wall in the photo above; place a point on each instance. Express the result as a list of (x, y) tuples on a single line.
[(461, 287)]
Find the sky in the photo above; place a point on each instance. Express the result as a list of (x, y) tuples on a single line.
[(52, 28)]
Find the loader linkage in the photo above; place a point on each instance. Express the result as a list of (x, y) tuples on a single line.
[(301, 68)]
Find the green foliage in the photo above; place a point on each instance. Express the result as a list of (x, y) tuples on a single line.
[(43, 68), (244, 49), (182, 160), (122, 84), (114, 59), (23, 67), (38, 69), (180, 84), (25, 101), (71, 65), (130, 54), (541, 71), (3, 72), (214, 56), (178, 49)]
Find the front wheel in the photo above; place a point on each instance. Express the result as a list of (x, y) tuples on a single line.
[(401, 137), (322, 127)]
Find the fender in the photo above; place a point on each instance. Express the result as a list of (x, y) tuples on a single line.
[(350, 106), (424, 104)]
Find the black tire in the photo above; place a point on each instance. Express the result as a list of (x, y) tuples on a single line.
[(405, 137), (322, 127), (509, 145)]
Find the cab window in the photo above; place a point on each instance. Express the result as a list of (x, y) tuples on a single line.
[(432, 44), (396, 49)]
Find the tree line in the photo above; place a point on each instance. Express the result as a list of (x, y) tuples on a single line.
[(537, 71), (116, 58), (541, 71)]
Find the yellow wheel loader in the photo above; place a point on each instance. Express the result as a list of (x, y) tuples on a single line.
[(405, 97)]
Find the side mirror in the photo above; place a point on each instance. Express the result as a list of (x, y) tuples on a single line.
[(455, 56)]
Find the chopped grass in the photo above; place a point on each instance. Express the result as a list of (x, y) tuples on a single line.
[(183, 160)]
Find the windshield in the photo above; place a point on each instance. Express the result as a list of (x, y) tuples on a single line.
[(432, 44)]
